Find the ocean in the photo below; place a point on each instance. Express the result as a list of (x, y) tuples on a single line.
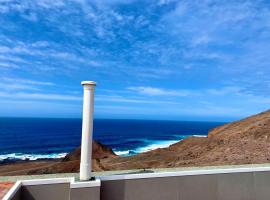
[(36, 138)]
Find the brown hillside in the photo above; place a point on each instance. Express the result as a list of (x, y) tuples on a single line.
[(100, 151), (243, 142)]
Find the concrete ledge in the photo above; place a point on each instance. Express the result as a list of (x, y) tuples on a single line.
[(46, 181), (184, 173), (12, 192), (85, 184), (134, 171)]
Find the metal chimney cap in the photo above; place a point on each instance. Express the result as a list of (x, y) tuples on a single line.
[(89, 83)]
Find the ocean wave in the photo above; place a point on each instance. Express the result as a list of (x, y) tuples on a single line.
[(122, 153), (155, 145), (199, 135), (186, 136), (152, 145), (22, 156)]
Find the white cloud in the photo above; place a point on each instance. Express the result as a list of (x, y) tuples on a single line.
[(152, 91), (35, 56), (165, 2), (224, 91), (201, 40), (132, 100), (27, 81), (40, 96), (205, 42), (18, 84), (50, 3), (221, 92), (8, 65)]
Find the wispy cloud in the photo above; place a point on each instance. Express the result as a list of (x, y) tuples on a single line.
[(225, 91), (152, 91), (40, 96), (204, 51), (132, 100), (18, 84), (27, 81)]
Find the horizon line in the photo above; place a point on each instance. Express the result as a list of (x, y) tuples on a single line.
[(128, 119)]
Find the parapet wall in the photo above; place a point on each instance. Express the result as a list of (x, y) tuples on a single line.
[(220, 184), (227, 186)]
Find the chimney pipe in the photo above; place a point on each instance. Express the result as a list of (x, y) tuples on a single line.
[(87, 130)]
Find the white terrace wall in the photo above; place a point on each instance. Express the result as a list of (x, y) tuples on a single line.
[(55, 189), (243, 184), (229, 184), (89, 190), (41, 189)]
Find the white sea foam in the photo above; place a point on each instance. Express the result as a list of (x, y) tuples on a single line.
[(151, 145), (199, 135), (156, 145), (122, 153), (21, 156)]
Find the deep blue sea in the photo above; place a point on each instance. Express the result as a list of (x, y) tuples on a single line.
[(33, 138)]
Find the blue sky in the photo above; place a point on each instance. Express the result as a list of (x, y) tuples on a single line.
[(160, 59)]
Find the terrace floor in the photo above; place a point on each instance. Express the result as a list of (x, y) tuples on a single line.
[(4, 188), (13, 179)]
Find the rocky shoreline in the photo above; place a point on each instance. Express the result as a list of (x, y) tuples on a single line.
[(242, 142)]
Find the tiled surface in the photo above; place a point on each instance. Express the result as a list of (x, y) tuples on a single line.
[(4, 188)]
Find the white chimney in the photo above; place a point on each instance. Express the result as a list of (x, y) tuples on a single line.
[(87, 130)]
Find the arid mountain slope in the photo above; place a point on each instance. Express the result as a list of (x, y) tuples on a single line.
[(243, 142)]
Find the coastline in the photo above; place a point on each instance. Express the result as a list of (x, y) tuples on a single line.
[(222, 146), (152, 145), (14, 157), (14, 161), (53, 138), (26, 166)]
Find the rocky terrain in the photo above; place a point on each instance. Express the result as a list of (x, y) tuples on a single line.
[(242, 142), (70, 163)]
